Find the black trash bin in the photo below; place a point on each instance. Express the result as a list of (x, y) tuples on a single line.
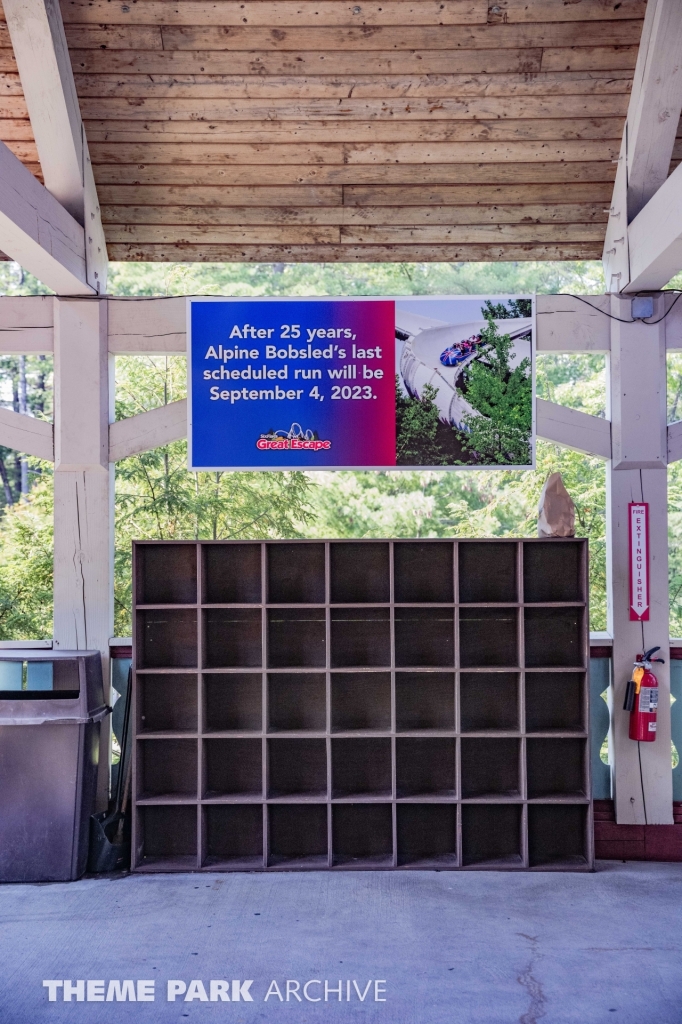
[(51, 706)]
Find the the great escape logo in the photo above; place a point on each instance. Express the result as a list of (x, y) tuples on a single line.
[(295, 438)]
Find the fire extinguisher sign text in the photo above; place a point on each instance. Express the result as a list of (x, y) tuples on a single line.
[(638, 517)]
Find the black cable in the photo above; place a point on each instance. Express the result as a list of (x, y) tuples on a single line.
[(635, 320)]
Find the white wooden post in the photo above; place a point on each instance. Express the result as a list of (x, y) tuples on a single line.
[(641, 772), (83, 491)]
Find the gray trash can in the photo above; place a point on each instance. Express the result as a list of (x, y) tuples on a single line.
[(51, 706)]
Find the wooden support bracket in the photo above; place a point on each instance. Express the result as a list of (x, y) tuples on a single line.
[(573, 429), (147, 430), (26, 434)]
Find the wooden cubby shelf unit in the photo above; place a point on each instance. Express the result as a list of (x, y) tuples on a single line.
[(361, 704)]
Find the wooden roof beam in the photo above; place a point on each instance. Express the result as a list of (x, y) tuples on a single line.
[(648, 137), (37, 232), (37, 34)]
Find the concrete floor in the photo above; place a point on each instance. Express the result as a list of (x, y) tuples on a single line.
[(493, 948)]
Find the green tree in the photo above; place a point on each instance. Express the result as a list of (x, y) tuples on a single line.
[(417, 427), (504, 398)]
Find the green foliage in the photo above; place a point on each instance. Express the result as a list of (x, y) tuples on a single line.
[(509, 309), (354, 278), (26, 567), (503, 397), (417, 422)]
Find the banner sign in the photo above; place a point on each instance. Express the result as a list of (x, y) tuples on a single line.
[(366, 383), (638, 519)]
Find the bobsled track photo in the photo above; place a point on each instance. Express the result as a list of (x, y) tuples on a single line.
[(436, 358)]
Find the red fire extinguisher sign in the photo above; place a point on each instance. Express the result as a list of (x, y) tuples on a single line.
[(638, 520)]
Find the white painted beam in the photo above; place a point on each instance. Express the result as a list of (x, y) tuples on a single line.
[(37, 232), (655, 238), (147, 430), (675, 442), (26, 434), (567, 324), (37, 34), (655, 102), (648, 137), (573, 429), (26, 325), (148, 326)]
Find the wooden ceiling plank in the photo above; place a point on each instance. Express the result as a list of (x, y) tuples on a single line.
[(252, 87), (273, 13), (201, 154), (399, 174), (480, 233), (411, 109), (583, 58), (563, 213), (522, 60), (302, 195), (449, 195), (273, 132), (266, 234), (296, 234), (331, 12), (425, 37), (353, 253), (514, 11), (218, 197), (15, 129)]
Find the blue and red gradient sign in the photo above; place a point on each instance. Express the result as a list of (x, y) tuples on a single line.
[(291, 384)]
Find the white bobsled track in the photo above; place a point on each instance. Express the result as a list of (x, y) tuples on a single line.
[(427, 339)]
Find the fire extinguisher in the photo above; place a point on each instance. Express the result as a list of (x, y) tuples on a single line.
[(641, 698)]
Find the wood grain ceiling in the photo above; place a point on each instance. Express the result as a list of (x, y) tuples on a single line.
[(416, 130)]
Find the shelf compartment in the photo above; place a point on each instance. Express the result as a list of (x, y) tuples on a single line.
[(167, 639), (297, 767), (167, 838), (490, 767), (491, 835), (424, 700), (232, 573), (552, 571), (359, 573), (555, 702), (489, 700), (423, 572), (296, 574), (296, 638), (166, 573), (234, 836), (297, 835), (167, 768), (232, 638), (487, 572), (426, 766), (554, 637), (233, 702), (297, 702), (360, 700), (557, 835), (233, 767), (427, 835), (167, 703), (361, 767), (362, 835), (360, 636), (424, 637), (488, 637), (555, 767)]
